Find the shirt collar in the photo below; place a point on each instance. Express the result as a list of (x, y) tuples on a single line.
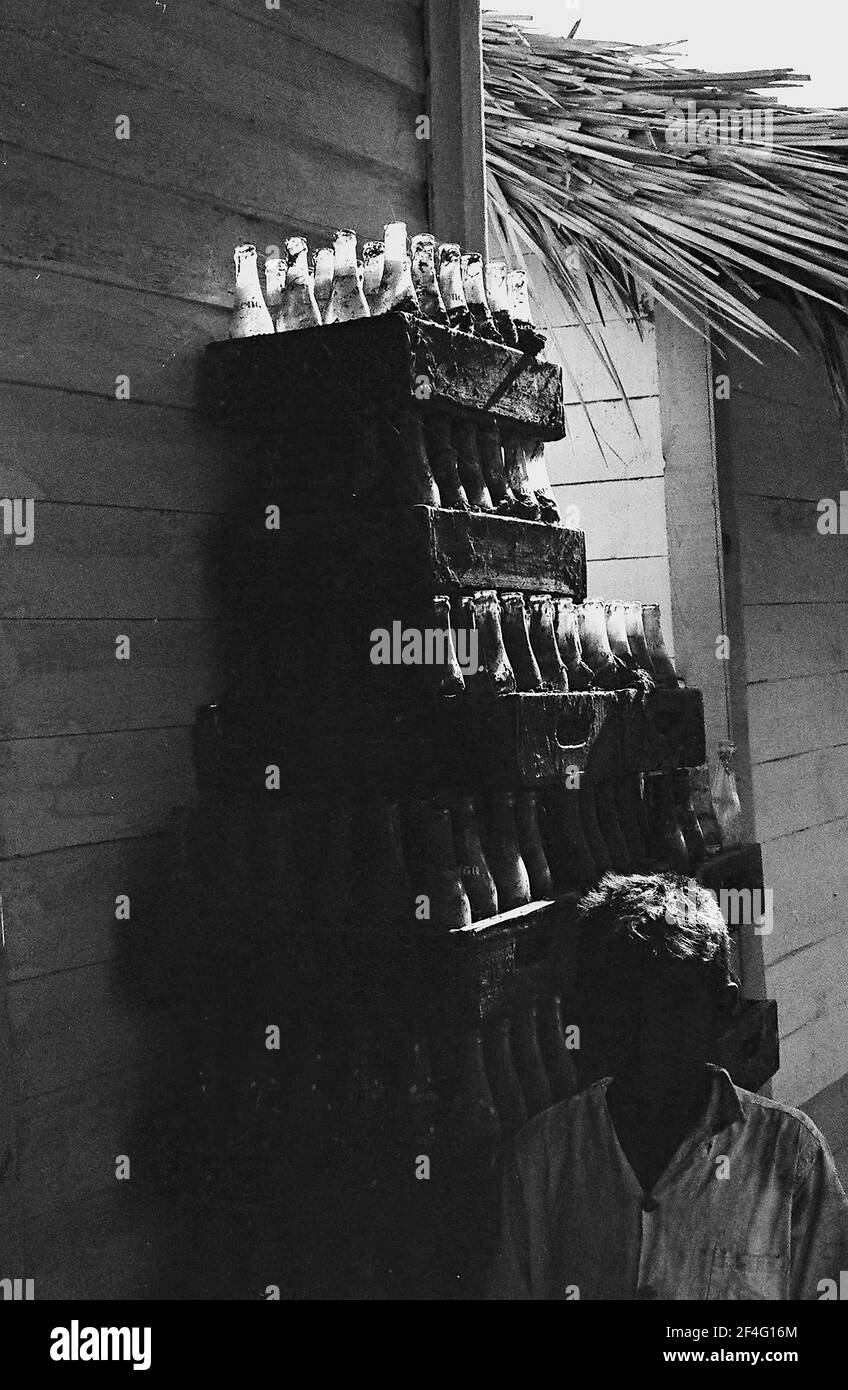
[(724, 1107)]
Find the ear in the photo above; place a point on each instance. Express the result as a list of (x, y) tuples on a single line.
[(732, 999)]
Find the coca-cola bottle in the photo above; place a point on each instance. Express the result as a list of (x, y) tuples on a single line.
[(373, 262), (322, 278), (347, 300), (528, 1060), (473, 1117), (537, 474), (275, 279), (606, 807), (666, 842), (413, 479), (580, 676), (629, 820), (450, 285), (441, 452), (298, 306), (468, 463), (544, 643), (636, 637), (515, 624), (425, 280), (476, 874), (595, 647), (699, 785), (530, 844), (591, 828), (632, 674), (515, 468), (435, 874), (504, 856), (507, 1091), (490, 450), (725, 798), (665, 675), (450, 679), (559, 1062), (496, 291), (494, 674), (475, 297), (565, 841), (250, 315), (687, 819), (530, 340), (397, 292)]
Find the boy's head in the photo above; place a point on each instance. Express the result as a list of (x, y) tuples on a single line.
[(654, 988)]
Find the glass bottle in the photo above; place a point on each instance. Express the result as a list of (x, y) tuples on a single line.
[(580, 676), (322, 278), (594, 644), (490, 450), (419, 1092), (473, 1117), (494, 673), (275, 279), (424, 279), (438, 436), (450, 678), (544, 643), (476, 874), (728, 809), (699, 785), (413, 479), (686, 818), (505, 861), (474, 288), (373, 261), (435, 873), (566, 845), (450, 284), (537, 475), (665, 675), (498, 297), (298, 305), (250, 315), (666, 843), (346, 299), (592, 829), (606, 809), (468, 462), (628, 819), (506, 1088), (636, 637), (531, 847), (397, 292), (515, 467), (530, 340), (559, 1062), (529, 1062), (515, 624)]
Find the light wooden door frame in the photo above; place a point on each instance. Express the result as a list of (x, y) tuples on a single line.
[(456, 148)]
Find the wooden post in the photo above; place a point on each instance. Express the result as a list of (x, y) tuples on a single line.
[(457, 156)]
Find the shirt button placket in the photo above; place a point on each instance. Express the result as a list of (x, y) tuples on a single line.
[(645, 1291)]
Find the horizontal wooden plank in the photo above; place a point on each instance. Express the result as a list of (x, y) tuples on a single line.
[(782, 449), (620, 518), (795, 716), (812, 1057), (807, 872), (584, 372), (829, 1110), (81, 1024), (80, 335), (59, 907), (795, 639), (314, 133), (784, 558), (781, 376), (811, 983), (622, 449), (798, 792), (64, 678), (64, 447), (56, 792), (99, 562)]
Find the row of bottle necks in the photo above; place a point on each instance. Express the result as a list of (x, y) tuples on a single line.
[(431, 280), (505, 642)]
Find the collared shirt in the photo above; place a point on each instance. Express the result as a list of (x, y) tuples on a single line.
[(750, 1207)]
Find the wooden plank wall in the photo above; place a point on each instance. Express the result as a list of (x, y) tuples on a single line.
[(779, 442), (246, 123)]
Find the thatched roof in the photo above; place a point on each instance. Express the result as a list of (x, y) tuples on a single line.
[(610, 149)]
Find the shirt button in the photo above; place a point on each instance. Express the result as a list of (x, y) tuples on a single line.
[(645, 1294), (649, 1204)]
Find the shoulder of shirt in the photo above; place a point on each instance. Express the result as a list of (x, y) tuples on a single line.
[(813, 1140), (557, 1120)]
